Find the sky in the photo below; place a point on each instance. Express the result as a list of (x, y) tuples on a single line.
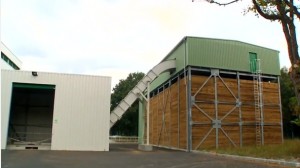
[(118, 37)]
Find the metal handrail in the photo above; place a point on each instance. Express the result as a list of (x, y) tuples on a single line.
[(123, 139)]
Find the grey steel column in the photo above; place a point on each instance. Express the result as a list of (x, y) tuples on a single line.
[(216, 108), (148, 110), (240, 109), (189, 121), (178, 110), (280, 106)]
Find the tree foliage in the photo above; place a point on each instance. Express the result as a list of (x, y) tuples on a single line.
[(283, 11), (287, 93), (286, 12), (128, 124), (296, 122)]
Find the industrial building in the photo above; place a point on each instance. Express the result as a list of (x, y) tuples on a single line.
[(221, 93), (54, 111), (206, 93)]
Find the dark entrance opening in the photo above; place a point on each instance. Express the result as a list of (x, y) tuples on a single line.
[(31, 115)]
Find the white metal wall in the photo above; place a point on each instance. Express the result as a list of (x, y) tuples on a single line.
[(5, 65), (81, 108)]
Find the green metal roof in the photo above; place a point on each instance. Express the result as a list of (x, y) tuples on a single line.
[(221, 54)]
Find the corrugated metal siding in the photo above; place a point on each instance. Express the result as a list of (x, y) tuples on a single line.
[(81, 108), (179, 55), (159, 80), (230, 55), (220, 54)]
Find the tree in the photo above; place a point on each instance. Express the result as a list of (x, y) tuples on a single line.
[(128, 125), (285, 12), (287, 94)]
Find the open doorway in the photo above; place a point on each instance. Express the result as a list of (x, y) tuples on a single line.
[(31, 115)]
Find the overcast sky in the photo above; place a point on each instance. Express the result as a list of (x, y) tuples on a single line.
[(117, 37)]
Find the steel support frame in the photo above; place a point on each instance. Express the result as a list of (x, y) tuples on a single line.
[(240, 109), (147, 100), (189, 112), (215, 73), (190, 104), (234, 73), (148, 111), (216, 106), (178, 111)]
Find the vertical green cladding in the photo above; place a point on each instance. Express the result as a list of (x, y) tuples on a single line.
[(221, 54), (230, 55), (177, 53), (141, 122)]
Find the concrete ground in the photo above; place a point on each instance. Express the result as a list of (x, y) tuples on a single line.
[(124, 156)]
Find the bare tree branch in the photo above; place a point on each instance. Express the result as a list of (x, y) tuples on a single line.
[(223, 4), (293, 8), (263, 14), (290, 3), (283, 11)]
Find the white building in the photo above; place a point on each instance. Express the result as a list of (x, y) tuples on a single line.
[(54, 111), (8, 59)]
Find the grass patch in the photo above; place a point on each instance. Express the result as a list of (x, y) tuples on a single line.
[(289, 150)]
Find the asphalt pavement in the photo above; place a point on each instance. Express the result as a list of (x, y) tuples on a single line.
[(123, 156)]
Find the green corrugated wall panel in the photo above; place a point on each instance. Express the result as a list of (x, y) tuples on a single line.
[(230, 55), (270, 62), (179, 54), (159, 80), (220, 54)]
